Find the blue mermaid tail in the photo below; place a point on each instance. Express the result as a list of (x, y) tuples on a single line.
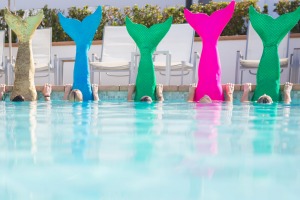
[(82, 33)]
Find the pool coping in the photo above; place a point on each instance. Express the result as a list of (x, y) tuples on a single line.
[(167, 88)]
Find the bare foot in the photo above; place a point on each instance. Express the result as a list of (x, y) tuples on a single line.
[(287, 92), (229, 88), (2, 91), (68, 88), (205, 99), (47, 91), (247, 89), (159, 92), (191, 95), (95, 92), (131, 90)]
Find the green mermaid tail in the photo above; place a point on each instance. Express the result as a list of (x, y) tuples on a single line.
[(24, 68), (271, 32), (147, 40)]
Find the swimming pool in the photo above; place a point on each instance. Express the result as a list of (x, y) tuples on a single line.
[(175, 150)]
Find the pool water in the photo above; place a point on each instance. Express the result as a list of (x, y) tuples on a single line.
[(127, 150)]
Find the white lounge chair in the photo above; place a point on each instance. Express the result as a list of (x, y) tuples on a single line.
[(179, 43), (2, 61), (41, 49), (295, 66), (254, 49), (116, 52)]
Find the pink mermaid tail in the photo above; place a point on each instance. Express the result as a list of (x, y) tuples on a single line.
[(209, 28)]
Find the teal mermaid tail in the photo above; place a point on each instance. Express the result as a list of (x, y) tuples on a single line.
[(82, 33), (271, 32), (147, 40)]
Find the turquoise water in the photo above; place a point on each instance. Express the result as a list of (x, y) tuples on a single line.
[(117, 150)]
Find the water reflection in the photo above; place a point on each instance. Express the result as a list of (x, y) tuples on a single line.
[(263, 121), (21, 131), (81, 125), (21, 147), (205, 139), (144, 125)]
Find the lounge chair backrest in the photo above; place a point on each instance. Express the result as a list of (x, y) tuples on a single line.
[(2, 41), (117, 44), (254, 46), (179, 42), (41, 47)]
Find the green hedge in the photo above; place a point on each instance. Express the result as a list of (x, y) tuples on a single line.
[(149, 15), (285, 6)]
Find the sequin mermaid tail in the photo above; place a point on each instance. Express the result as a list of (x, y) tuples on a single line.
[(24, 67), (209, 28), (82, 33), (147, 40), (271, 32)]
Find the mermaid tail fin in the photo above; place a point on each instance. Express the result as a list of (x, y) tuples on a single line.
[(271, 32), (23, 28), (154, 34), (84, 31), (209, 28), (216, 22), (266, 25), (147, 40), (24, 67)]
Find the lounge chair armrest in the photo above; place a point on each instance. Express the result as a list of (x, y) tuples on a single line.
[(161, 53), (165, 53), (135, 54), (55, 61), (51, 66), (95, 57), (291, 59), (239, 54), (196, 55)]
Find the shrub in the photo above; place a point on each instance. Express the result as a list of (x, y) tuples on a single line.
[(151, 14), (239, 21), (285, 6)]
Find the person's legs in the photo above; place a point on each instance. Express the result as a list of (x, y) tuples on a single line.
[(47, 91), (229, 88), (131, 90), (68, 88), (287, 92), (159, 92), (95, 92), (191, 95), (247, 89), (2, 91)]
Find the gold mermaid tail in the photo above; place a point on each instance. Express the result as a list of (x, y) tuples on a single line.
[(24, 67)]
